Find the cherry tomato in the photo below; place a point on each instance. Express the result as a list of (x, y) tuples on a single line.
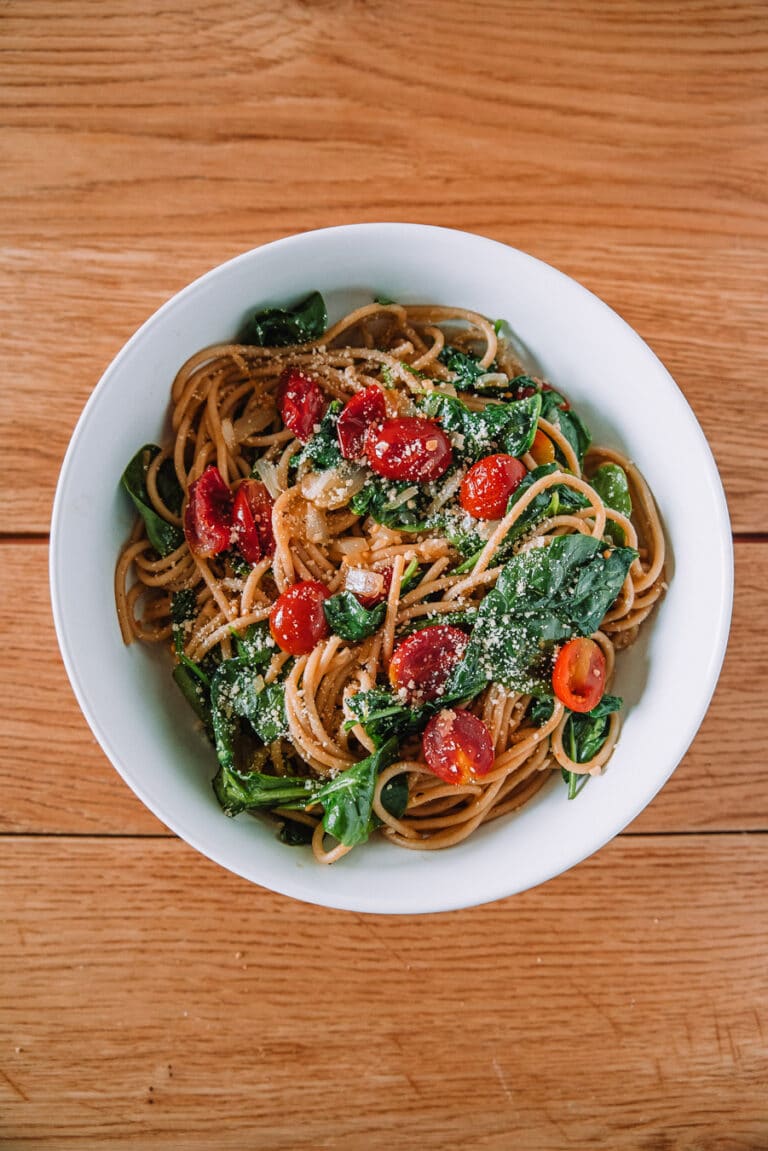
[(252, 519), (208, 514), (542, 448), (487, 486), (297, 621), (578, 678), (301, 403), (364, 409), (408, 448), (457, 746), (421, 664)]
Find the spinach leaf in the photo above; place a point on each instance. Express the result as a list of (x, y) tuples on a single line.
[(380, 500), (583, 736), (236, 696), (195, 692), (295, 834), (542, 597), (163, 536), (348, 618), (558, 498), (382, 715), (277, 327), (572, 426), (465, 618), (239, 791), (611, 484), (183, 609), (502, 427), (323, 447), (465, 366), (256, 645), (348, 798)]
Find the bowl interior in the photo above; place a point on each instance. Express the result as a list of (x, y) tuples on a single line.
[(625, 395)]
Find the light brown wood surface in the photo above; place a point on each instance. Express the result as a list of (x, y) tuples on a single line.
[(149, 999)]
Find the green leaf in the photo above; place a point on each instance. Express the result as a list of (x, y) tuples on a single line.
[(295, 834), (379, 499), (278, 327), (502, 427), (569, 423), (611, 484), (195, 692), (164, 537), (348, 798), (543, 597), (348, 618), (237, 693), (583, 736), (239, 791), (323, 447), (466, 367)]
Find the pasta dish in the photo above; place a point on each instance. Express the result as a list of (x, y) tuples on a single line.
[(393, 572)]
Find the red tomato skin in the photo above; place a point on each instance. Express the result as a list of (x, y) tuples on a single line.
[(457, 746), (252, 520), (422, 662), (366, 409), (409, 448), (208, 514), (487, 486), (297, 620), (578, 677), (301, 403)]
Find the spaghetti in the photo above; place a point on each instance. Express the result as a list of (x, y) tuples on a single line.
[(355, 461)]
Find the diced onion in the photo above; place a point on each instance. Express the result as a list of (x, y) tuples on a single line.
[(492, 380), (401, 498), (363, 582), (449, 488), (334, 487), (317, 529), (267, 473)]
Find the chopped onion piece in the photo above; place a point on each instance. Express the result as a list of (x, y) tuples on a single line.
[(267, 473), (402, 498), (492, 380), (317, 529), (334, 487), (363, 582)]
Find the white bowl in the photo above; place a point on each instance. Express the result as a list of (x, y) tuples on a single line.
[(630, 402)]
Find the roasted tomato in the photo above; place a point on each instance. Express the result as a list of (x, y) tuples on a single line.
[(301, 403), (408, 448), (421, 664), (578, 678), (252, 519), (457, 746), (542, 448), (487, 486), (365, 409), (297, 621), (208, 514)]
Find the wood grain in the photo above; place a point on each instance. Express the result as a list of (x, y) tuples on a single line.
[(721, 784), (155, 994), (628, 148)]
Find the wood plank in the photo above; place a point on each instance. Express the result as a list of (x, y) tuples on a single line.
[(151, 1000), (721, 784), (628, 149)]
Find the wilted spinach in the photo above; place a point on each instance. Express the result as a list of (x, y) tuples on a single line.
[(348, 618), (542, 597), (611, 484), (277, 327), (164, 536), (322, 449), (498, 427)]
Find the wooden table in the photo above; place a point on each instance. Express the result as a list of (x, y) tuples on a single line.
[(148, 998)]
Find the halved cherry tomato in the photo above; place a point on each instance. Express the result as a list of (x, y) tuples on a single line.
[(487, 486), (578, 677), (409, 448), (252, 519), (542, 448), (364, 409), (297, 621), (208, 514), (457, 746), (422, 663), (358, 578), (301, 403)]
